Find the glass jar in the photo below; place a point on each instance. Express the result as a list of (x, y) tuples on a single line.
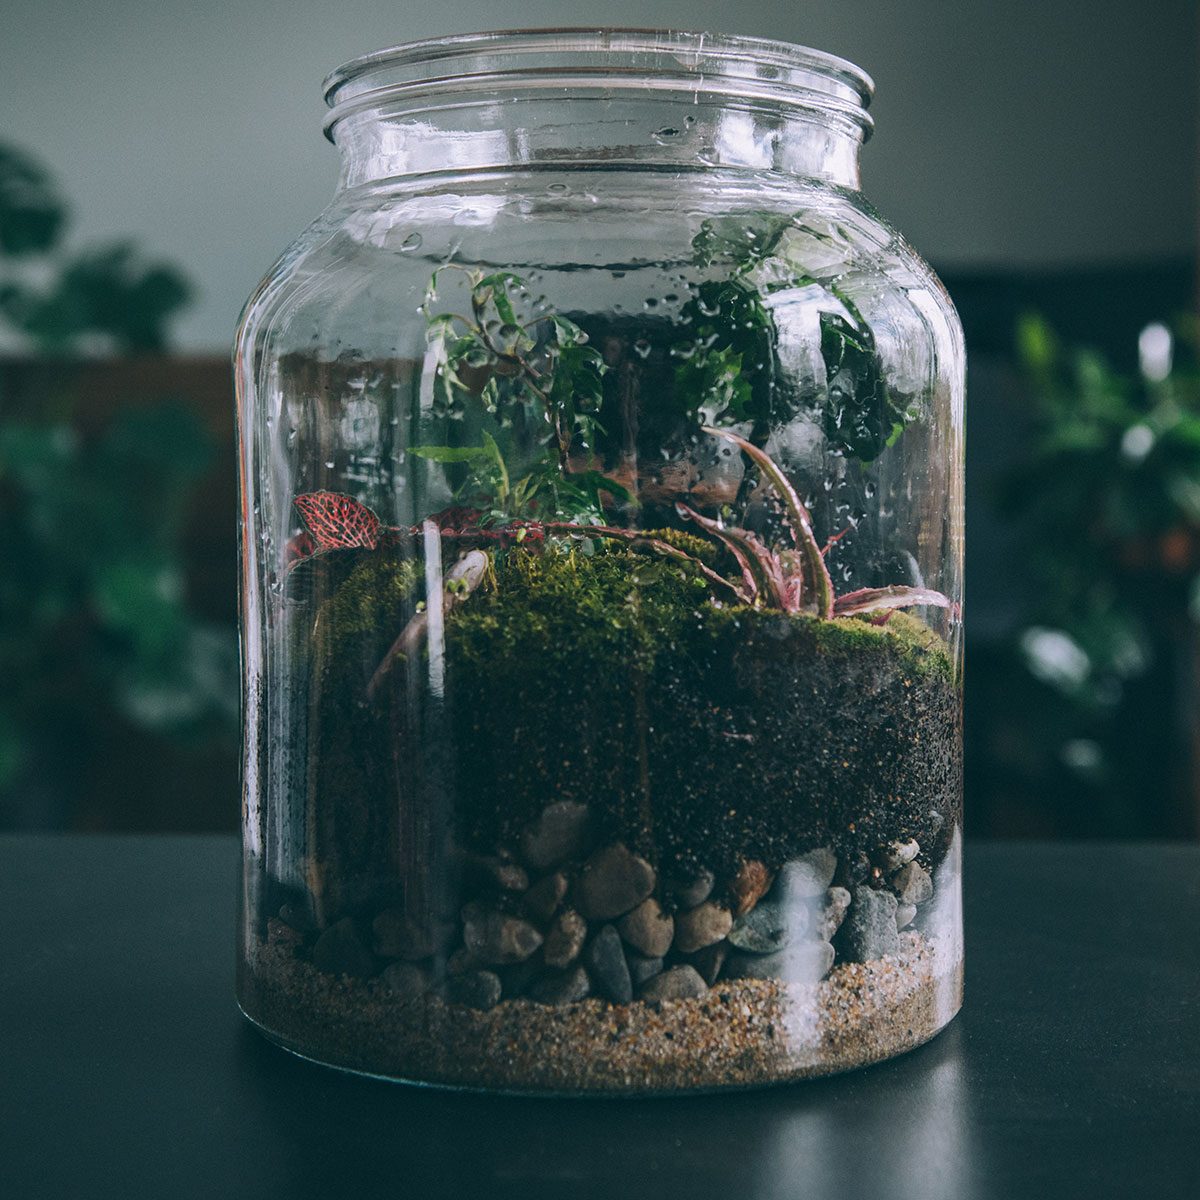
[(601, 549)]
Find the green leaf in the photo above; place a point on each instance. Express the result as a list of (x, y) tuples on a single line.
[(860, 416)]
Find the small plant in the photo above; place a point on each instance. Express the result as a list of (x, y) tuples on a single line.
[(536, 380)]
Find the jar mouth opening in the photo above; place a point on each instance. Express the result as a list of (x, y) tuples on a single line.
[(603, 60)]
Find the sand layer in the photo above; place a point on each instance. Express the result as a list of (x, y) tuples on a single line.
[(742, 1033)]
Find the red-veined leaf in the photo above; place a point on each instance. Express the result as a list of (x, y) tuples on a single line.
[(337, 522)]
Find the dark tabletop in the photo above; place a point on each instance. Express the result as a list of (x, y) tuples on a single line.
[(126, 1070)]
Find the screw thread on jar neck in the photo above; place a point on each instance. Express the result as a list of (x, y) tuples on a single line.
[(609, 99)]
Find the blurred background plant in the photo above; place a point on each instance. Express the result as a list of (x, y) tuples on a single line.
[(108, 668), (1093, 709)]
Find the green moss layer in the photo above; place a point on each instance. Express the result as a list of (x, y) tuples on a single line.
[(699, 734)]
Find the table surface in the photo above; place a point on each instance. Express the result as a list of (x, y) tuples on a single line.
[(126, 1069)]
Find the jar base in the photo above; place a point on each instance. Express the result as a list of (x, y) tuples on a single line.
[(743, 1034)]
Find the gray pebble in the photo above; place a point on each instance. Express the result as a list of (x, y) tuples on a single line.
[(895, 854), (559, 833), (613, 881), (461, 961), (701, 926), (806, 877), (298, 915), (905, 914), (769, 927), (340, 951), (641, 968), (690, 892), (564, 939), (912, 884), (543, 898), (607, 967), (648, 929), (869, 930), (679, 983), (567, 987), (832, 913), (407, 980), (475, 989), (806, 962), (497, 938), (520, 977), (709, 961)]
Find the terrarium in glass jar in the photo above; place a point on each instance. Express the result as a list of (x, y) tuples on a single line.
[(601, 466)]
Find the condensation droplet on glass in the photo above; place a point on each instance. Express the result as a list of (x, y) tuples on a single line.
[(665, 134), (558, 189), (412, 242), (641, 348), (650, 303)]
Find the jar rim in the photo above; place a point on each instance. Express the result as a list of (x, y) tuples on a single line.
[(608, 58)]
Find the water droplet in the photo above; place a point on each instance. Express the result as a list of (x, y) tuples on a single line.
[(665, 134), (412, 242), (641, 348), (650, 303), (558, 189)]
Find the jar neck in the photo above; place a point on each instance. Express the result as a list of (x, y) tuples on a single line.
[(581, 133), (606, 99)]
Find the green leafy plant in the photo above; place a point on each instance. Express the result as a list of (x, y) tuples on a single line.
[(96, 630), (534, 377), (53, 300), (732, 375)]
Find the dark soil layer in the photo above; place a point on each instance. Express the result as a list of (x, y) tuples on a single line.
[(700, 735)]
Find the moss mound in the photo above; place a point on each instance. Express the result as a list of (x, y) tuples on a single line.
[(699, 734)]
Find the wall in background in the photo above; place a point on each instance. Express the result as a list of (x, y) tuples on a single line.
[(1011, 133)]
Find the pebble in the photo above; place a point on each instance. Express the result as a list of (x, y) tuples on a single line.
[(613, 881), (701, 926), (564, 939), (806, 962), (869, 930), (475, 989), (517, 979), (406, 980), (709, 961), (298, 915), (567, 987), (768, 928), (895, 854), (558, 834), (462, 960), (542, 900), (679, 983), (340, 951), (648, 929), (397, 935), (749, 885), (832, 913), (641, 968), (691, 892), (808, 876), (905, 914), (607, 966), (497, 938), (912, 884)]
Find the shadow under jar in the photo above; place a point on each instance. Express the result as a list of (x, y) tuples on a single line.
[(602, 470)]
